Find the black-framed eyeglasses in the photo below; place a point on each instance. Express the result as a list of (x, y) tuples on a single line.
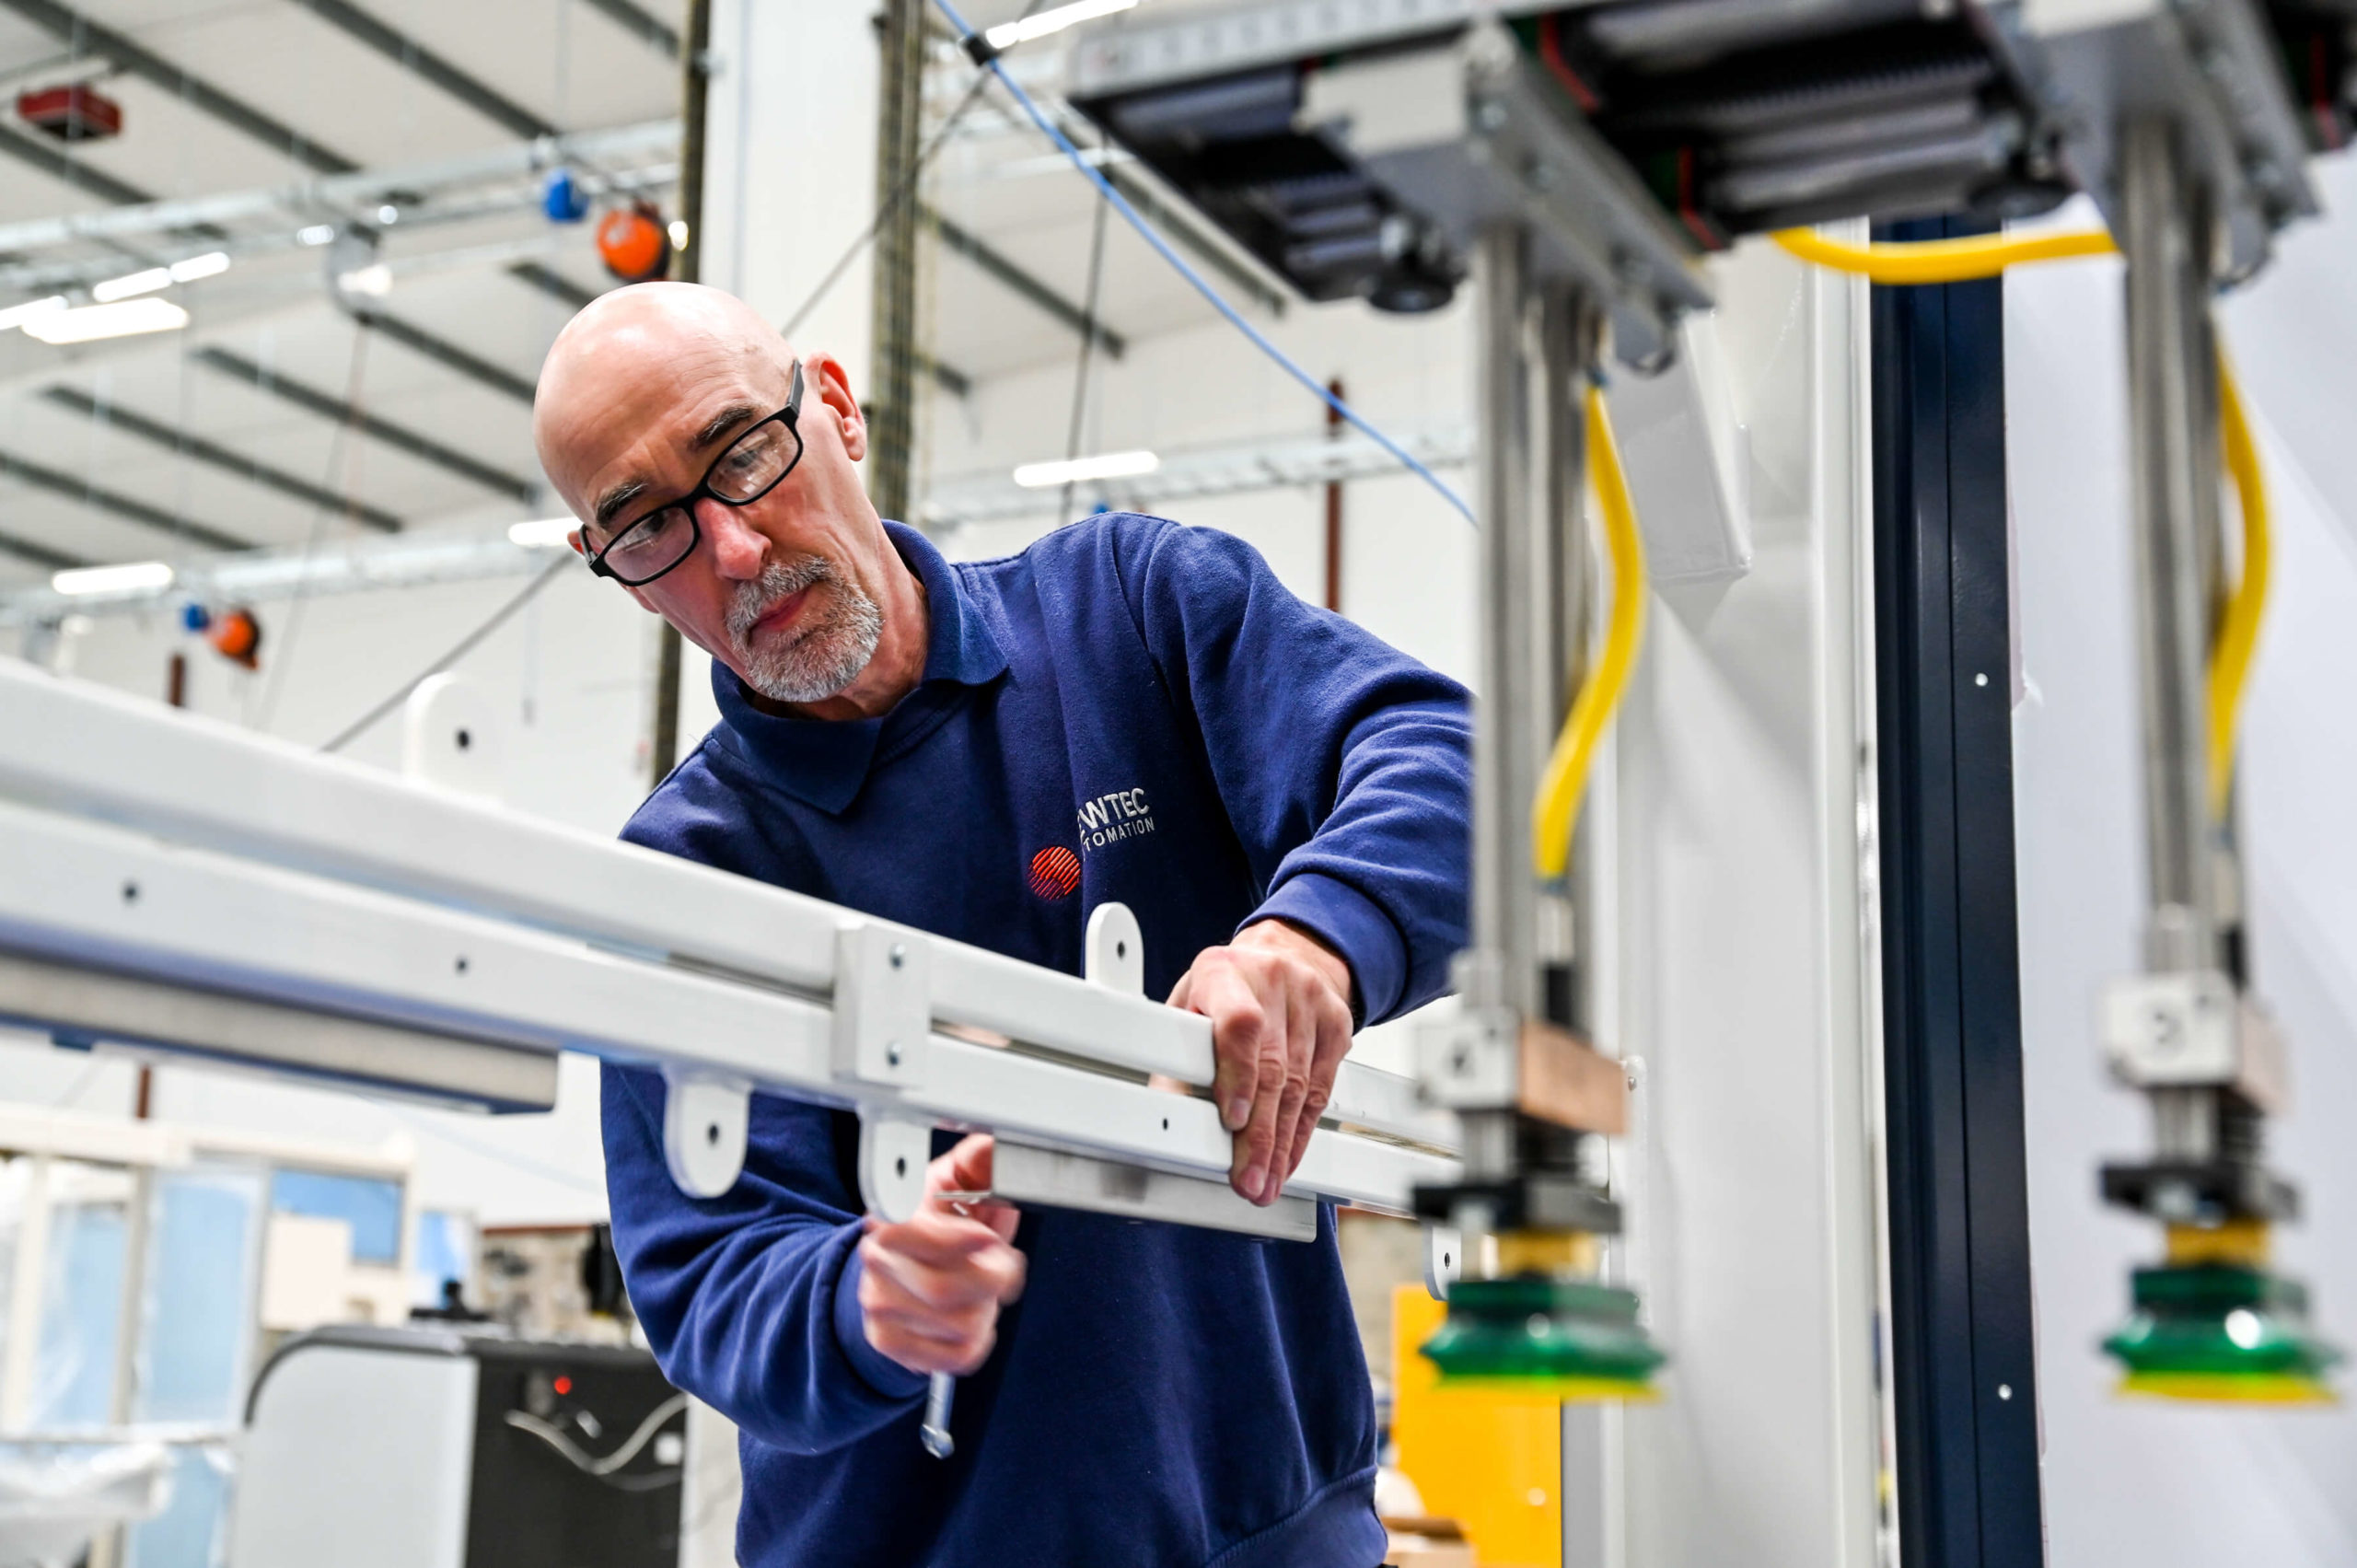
[(750, 468)]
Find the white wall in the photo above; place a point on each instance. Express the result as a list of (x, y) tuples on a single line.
[(2129, 1480), (1732, 944)]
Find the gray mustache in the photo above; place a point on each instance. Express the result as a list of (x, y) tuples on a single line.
[(779, 580)]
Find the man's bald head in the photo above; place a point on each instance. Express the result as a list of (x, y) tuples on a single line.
[(645, 346)]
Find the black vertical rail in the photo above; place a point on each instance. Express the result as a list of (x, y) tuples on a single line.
[(1959, 1209)]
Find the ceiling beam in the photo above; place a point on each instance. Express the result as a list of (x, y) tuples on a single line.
[(122, 505), (181, 443), (50, 159), (997, 265), (651, 29), (78, 31), (551, 282), (411, 55), (313, 401), (40, 555), (450, 356)]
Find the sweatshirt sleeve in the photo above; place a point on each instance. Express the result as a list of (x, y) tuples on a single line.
[(751, 1300), (1344, 765)]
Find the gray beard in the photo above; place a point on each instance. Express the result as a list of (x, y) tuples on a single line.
[(825, 653)]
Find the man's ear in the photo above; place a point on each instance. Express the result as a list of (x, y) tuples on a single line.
[(825, 374)]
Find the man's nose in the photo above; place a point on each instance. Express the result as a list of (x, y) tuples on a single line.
[(738, 551)]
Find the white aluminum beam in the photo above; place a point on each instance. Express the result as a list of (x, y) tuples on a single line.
[(181, 850)]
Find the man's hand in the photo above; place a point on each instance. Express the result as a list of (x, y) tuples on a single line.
[(933, 1286), (1279, 1004)]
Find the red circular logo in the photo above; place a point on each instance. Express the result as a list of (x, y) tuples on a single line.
[(1055, 872)]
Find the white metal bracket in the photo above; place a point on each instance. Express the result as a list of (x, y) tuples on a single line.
[(1470, 1062), (882, 1006), (1444, 1259), (705, 1117), (893, 1154), (2192, 1029), (1113, 950)]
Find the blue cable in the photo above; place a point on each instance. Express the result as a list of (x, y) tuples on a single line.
[(1162, 247)]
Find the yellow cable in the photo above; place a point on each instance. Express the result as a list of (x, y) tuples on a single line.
[(1557, 808), (1980, 256), (1941, 260), (2238, 627)]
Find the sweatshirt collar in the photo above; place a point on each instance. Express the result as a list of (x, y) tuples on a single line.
[(824, 761)]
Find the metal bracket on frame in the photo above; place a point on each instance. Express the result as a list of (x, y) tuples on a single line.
[(883, 1012), (705, 1117)]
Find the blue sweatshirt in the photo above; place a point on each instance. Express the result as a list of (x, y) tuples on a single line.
[(1129, 710)]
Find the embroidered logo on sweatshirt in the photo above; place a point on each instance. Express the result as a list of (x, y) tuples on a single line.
[(1122, 814), (1055, 873)]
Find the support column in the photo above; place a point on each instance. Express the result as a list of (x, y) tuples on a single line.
[(2173, 404), (1512, 574)]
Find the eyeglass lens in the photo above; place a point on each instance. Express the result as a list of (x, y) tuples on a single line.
[(757, 460)]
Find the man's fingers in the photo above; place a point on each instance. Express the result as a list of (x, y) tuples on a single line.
[(938, 1237), (1238, 1023), (965, 1168), (920, 1337), (1301, 1041), (1257, 1147), (1331, 1021), (989, 1274)]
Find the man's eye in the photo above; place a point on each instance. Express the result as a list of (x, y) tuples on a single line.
[(651, 530)]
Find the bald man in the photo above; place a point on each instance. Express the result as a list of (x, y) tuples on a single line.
[(1129, 710)]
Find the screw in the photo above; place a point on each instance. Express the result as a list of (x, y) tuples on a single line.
[(712, 1133), (892, 1054), (462, 963), (131, 893), (900, 954)]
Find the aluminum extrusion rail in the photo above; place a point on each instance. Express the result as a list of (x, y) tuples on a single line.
[(166, 850)]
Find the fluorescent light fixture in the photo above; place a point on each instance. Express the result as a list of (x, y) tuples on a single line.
[(130, 283), (679, 234), (94, 322), (17, 315), (316, 234), (1106, 465), (376, 280), (1006, 35), (543, 533), (140, 577), (212, 264)]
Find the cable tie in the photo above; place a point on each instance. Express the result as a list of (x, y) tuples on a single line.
[(979, 48)]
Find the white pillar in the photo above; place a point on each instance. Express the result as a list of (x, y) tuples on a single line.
[(790, 164)]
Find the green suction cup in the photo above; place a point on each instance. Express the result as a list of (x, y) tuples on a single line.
[(1571, 1338), (2216, 1331)]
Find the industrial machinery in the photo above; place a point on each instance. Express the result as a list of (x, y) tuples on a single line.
[(414, 1447), (1576, 162)]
